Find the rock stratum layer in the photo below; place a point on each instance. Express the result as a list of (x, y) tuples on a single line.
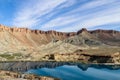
[(23, 43), (27, 37)]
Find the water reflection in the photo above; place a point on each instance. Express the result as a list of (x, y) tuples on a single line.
[(66, 70), (25, 66)]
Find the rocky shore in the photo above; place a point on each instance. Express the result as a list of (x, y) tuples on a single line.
[(95, 56), (9, 75)]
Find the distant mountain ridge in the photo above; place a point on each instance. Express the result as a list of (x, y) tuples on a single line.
[(95, 37), (26, 44), (34, 38), (27, 37)]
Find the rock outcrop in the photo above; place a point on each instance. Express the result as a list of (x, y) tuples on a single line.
[(26, 30), (82, 30), (84, 38), (109, 37), (95, 37), (86, 57), (33, 44), (9, 75), (27, 37)]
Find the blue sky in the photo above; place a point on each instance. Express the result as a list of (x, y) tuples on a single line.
[(61, 15)]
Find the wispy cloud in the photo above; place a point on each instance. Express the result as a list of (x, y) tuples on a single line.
[(68, 15), (29, 13)]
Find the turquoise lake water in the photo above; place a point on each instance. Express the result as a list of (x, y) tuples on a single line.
[(79, 72), (65, 70)]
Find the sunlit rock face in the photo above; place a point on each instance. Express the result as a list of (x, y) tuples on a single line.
[(32, 37), (23, 40), (34, 44), (95, 37), (27, 37)]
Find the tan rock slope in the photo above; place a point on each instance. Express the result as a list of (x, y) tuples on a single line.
[(95, 38), (27, 37), (23, 43), (109, 37), (14, 37)]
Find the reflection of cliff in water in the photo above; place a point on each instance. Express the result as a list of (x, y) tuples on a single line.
[(25, 66)]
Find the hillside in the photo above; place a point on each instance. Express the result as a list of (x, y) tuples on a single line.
[(84, 38), (95, 38), (109, 37), (23, 43)]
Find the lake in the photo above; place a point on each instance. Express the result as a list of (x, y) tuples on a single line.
[(66, 70)]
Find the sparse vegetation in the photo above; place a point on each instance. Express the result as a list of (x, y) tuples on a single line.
[(17, 54), (7, 56), (12, 56)]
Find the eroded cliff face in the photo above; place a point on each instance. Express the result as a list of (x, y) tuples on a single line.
[(26, 37), (27, 43), (109, 37), (34, 38), (95, 37), (86, 58), (34, 44)]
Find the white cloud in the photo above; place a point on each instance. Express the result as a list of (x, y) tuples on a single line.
[(61, 21), (90, 14), (95, 19), (28, 14)]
